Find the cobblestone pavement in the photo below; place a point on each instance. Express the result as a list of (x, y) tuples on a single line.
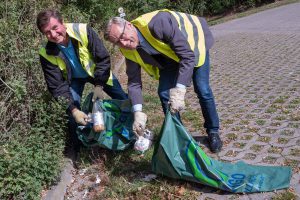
[(255, 77)]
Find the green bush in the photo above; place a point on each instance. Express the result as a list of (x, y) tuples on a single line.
[(32, 126), (30, 160)]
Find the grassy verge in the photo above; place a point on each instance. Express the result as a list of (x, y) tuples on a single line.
[(126, 171)]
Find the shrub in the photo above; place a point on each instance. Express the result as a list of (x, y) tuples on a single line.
[(32, 126), (29, 161)]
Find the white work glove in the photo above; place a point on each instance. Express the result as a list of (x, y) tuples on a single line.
[(139, 123), (98, 93), (79, 116), (176, 100)]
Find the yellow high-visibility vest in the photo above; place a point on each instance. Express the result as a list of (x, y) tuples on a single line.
[(77, 31), (189, 25)]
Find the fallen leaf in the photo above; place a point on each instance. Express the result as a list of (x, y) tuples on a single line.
[(180, 191)]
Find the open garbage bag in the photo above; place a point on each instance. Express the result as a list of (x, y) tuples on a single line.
[(118, 120), (178, 156)]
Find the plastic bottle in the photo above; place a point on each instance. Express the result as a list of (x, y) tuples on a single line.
[(97, 117)]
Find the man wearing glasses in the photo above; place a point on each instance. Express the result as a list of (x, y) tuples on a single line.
[(172, 47)]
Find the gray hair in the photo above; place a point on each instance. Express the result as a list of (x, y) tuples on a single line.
[(115, 20)]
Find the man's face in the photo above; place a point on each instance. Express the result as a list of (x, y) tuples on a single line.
[(55, 31), (124, 36)]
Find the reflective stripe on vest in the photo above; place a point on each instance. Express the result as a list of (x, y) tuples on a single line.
[(55, 60), (134, 56), (189, 25), (79, 32)]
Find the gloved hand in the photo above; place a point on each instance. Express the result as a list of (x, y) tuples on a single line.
[(98, 93), (176, 100), (79, 116), (139, 123)]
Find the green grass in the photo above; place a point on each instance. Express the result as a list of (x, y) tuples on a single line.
[(260, 122), (192, 120), (253, 129), (295, 152), (271, 110), (126, 169), (244, 122), (292, 163), (280, 117), (232, 136), (249, 156), (283, 140), (254, 100), (246, 137), (269, 159), (264, 139), (281, 99), (287, 132), (231, 153), (256, 147), (270, 131), (285, 196), (293, 125), (295, 116), (237, 128), (275, 124), (228, 121), (295, 101), (276, 150), (239, 145)]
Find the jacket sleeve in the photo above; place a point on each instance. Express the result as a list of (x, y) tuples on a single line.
[(57, 85), (101, 57), (133, 71), (170, 34)]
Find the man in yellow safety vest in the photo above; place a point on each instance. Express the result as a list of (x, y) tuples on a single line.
[(73, 56), (172, 47)]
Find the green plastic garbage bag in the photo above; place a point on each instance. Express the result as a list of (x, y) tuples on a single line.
[(178, 156), (118, 120)]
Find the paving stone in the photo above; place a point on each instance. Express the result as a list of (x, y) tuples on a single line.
[(255, 77)]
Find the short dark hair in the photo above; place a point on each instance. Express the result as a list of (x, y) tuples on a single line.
[(44, 16)]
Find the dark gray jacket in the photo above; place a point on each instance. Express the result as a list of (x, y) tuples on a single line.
[(60, 87), (164, 27)]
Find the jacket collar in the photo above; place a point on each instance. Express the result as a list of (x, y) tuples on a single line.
[(52, 48)]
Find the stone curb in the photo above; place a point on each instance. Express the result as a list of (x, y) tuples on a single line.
[(58, 191)]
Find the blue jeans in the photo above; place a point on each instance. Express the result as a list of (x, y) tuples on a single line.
[(76, 88), (202, 88)]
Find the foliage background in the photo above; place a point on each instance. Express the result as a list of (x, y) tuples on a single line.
[(32, 125)]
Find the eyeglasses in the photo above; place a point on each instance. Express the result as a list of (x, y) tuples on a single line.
[(121, 36)]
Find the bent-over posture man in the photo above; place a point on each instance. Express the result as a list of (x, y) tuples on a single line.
[(73, 56), (172, 47)]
